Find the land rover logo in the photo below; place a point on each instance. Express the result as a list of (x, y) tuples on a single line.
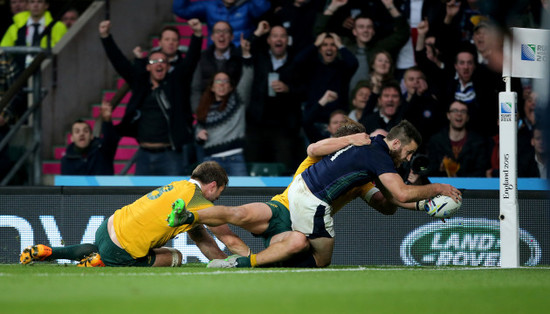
[(463, 241)]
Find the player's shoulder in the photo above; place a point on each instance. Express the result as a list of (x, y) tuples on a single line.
[(184, 187)]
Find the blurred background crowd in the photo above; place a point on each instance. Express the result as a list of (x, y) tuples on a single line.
[(248, 82)]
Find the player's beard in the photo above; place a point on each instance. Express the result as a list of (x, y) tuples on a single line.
[(396, 157)]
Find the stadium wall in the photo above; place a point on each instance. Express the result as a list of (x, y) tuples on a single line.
[(70, 215)]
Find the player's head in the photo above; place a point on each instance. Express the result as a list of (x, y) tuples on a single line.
[(212, 177), (349, 127), (403, 141), (81, 134)]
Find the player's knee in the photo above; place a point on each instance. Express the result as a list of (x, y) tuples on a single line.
[(297, 242)]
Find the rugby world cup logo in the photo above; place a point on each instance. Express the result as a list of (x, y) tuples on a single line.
[(505, 107), (528, 52)]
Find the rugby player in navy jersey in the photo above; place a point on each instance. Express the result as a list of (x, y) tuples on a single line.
[(312, 193)]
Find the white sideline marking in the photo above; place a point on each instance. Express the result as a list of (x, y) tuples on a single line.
[(263, 271)]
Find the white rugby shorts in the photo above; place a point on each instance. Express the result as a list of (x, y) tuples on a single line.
[(308, 214)]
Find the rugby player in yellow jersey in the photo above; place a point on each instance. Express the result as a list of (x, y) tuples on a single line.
[(135, 234), (271, 220)]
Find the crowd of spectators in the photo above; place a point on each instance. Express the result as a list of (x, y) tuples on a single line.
[(277, 75)]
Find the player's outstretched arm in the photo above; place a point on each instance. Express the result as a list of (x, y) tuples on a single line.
[(231, 240), (382, 204), (206, 243), (411, 193), (330, 145)]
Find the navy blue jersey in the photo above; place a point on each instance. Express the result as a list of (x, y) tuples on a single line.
[(347, 168)]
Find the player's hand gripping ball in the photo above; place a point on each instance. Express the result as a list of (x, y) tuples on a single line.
[(441, 206)]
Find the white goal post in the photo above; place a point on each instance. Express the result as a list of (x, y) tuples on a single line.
[(525, 55)]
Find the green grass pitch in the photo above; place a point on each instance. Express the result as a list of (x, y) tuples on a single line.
[(51, 288)]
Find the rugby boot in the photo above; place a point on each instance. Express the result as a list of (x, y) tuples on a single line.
[(233, 261), (93, 260), (179, 215), (38, 252)]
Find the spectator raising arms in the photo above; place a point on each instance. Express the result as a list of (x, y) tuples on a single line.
[(221, 117), (365, 43), (158, 114), (222, 56), (326, 65), (87, 155), (274, 114), (241, 15)]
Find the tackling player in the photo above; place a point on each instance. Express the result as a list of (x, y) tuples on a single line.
[(135, 234)]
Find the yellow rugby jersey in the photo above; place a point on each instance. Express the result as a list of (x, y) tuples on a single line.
[(142, 225), (339, 203), (283, 197)]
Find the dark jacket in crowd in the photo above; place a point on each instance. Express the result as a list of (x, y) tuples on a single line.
[(176, 87), (96, 159), (473, 158)]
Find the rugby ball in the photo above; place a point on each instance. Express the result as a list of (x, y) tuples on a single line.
[(441, 206)]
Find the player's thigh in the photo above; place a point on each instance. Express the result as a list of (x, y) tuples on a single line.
[(322, 250), (167, 257), (254, 217)]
